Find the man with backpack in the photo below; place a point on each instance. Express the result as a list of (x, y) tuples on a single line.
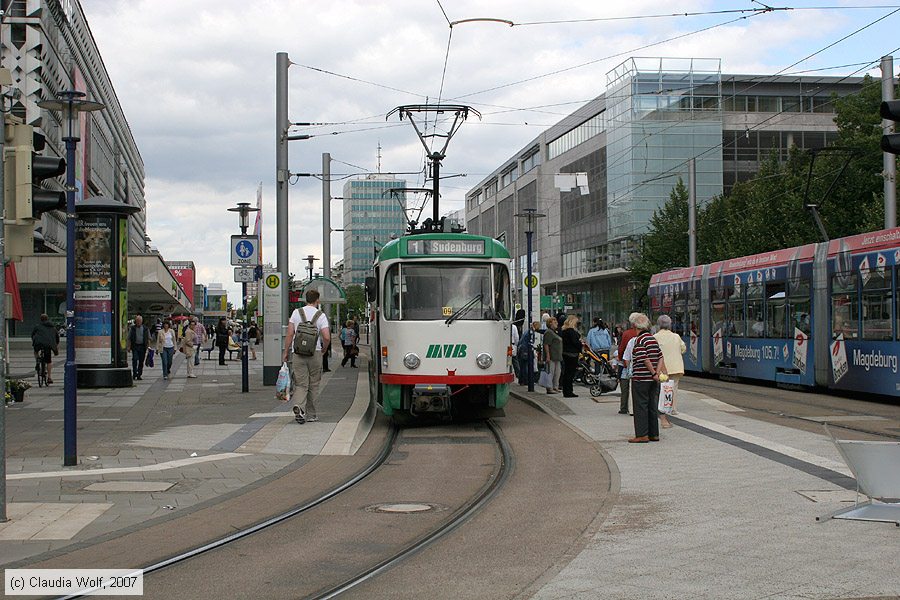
[(308, 333)]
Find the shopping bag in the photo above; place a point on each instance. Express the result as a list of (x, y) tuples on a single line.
[(546, 380), (149, 359), (666, 397), (283, 383)]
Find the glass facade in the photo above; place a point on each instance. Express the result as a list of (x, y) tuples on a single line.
[(371, 216), (593, 126), (660, 113)]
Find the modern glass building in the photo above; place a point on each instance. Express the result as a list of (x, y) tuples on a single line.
[(372, 214), (630, 145)]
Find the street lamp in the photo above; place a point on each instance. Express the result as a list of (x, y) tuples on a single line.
[(70, 103), (310, 259), (244, 209), (531, 216)]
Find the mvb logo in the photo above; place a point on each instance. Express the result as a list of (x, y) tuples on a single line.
[(446, 351)]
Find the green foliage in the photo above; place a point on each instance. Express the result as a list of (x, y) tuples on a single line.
[(356, 300), (768, 211)]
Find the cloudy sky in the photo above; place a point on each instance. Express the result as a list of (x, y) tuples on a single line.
[(197, 83)]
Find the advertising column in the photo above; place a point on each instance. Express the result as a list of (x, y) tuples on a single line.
[(101, 293)]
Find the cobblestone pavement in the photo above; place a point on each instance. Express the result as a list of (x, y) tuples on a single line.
[(151, 451)]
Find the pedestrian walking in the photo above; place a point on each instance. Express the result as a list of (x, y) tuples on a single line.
[(326, 352), (349, 342), (553, 354), (189, 348), (200, 338), (222, 339), (166, 342), (138, 341), (646, 367), (310, 327), (625, 360), (253, 337), (45, 340), (672, 347), (571, 348)]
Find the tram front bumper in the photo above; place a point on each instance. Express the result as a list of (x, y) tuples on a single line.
[(427, 397)]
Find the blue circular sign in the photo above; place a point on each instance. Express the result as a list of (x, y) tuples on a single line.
[(244, 249)]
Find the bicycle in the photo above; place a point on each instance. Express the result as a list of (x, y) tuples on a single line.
[(42, 357)]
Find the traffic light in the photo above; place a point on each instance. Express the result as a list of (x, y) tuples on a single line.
[(45, 167), (24, 198), (890, 109)]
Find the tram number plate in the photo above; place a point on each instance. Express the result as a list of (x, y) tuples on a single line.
[(445, 247), (447, 311)]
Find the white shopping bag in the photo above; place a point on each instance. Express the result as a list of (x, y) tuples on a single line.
[(283, 383), (666, 397)]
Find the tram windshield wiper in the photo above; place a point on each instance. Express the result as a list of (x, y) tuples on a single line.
[(465, 308)]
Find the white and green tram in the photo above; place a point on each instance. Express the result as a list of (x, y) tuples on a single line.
[(441, 317)]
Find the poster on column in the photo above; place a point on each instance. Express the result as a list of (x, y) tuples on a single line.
[(93, 290)]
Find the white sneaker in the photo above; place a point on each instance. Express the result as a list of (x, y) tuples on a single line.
[(192, 376), (312, 419)]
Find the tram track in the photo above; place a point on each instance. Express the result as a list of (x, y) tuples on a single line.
[(491, 488), (748, 397), (319, 529)]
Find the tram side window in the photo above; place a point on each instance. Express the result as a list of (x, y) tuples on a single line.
[(877, 303), (798, 307), (755, 322), (734, 326), (501, 292), (776, 317), (693, 314), (679, 313), (844, 306), (392, 294), (717, 312)]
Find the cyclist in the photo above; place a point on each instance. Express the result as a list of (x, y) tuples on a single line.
[(44, 339)]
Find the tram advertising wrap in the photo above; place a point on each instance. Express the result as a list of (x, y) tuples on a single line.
[(816, 315)]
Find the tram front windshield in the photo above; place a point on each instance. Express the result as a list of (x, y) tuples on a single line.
[(425, 292)]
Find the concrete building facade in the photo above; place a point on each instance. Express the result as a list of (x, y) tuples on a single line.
[(372, 214), (48, 47), (628, 148)]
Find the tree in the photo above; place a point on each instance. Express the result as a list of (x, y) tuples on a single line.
[(356, 300)]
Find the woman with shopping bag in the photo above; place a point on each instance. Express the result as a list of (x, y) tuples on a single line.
[(672, 347), (553, 348)]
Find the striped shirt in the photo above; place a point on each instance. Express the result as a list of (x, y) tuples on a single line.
[(645, 347)]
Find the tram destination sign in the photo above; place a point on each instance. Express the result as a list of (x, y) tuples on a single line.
[(445, 247)]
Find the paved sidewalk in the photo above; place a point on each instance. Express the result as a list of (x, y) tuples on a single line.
[(724, 506), (155, 450)]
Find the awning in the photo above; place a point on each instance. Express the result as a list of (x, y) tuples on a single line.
[(12, 288)]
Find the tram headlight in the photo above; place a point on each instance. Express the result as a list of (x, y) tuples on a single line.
[(411, 361), (484, 360)]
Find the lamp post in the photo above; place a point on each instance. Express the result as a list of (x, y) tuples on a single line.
[(531, 216), (310, 259), (244, 209), (70, 102)]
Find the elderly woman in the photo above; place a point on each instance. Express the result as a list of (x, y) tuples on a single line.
[(647, 363), (571, 348), (672, 347)]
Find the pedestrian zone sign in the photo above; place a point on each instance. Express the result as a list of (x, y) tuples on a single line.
[(244, 250)]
